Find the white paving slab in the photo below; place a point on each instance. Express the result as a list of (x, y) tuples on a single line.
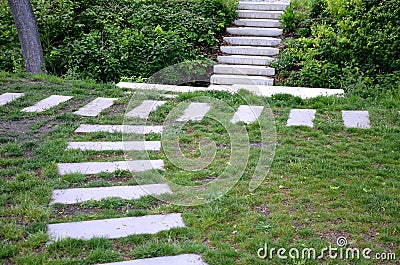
[(78, 195), (89, 168), (9, 97), (185, 259), (107, 146), (195, 112), (95, 107), (356, 119), (91, 128), (247, 114), (301, 117), (115, 228), (143, 110), (303, 92), (47, 103)]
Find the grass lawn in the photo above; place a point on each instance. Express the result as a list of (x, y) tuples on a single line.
[(325, 182)]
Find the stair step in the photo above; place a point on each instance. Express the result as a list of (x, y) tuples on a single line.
[(262, 6), (239, 79), (79, 195), (243, 70), (253, 41), (185, 259), (262, 23), (258, 32), (246, 60), (260, 14), (115, 228), (250, 50)]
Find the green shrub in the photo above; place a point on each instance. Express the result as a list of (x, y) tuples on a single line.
[(106, 40)]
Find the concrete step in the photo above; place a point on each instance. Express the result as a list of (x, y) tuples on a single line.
[(250, 50), (262, 23), (243, 70), (9, 97), (138, 129), (260, 14), (90, 168), (253, 41), (115, 228), (247, 114), (115, 146), (195, 112), (79, 195), (184, 259), (47, 103), (356, 119), (244, 59), (95, 107), (239, 79), (301, 117), (258, 32), (265, 6)]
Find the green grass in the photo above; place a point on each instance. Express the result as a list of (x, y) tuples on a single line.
[(325, 182)]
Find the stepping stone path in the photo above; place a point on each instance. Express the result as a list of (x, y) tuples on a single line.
[(116, 227), (47, 103), (107, 146), (9, 97), (253, 45), (95, 107), (186, 259), (78, 195), (89, 168), (195, 112), (247, 114), (301, 117), (356, 119), (143, 110)]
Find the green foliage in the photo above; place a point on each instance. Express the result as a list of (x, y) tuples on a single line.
[(288, 19), (349, 44), (107, 40)]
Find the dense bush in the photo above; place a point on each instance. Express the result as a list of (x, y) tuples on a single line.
[(350, 44), (106, 40)]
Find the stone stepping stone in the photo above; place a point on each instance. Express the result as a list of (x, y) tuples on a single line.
[(89, 168), (143, 110), (356, 119), (9, 97), (247, 114), (111, 146), (185, 259), (78, 195), (91, 128), (115, 228), (195, 112), (301, 117), (95, 107), (47, 103)]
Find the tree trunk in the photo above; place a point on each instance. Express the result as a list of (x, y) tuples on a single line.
[(28, 34)]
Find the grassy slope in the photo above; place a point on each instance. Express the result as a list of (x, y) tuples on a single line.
[(324, 183)]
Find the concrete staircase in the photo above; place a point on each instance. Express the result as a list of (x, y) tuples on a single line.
[(252, 46)]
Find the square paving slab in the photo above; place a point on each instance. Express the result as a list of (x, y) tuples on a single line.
[(356, 119), (301, 117), (247, 114), (95, 107), (9, 97)]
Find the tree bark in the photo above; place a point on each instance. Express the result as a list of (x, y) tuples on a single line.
[(28, 34)]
